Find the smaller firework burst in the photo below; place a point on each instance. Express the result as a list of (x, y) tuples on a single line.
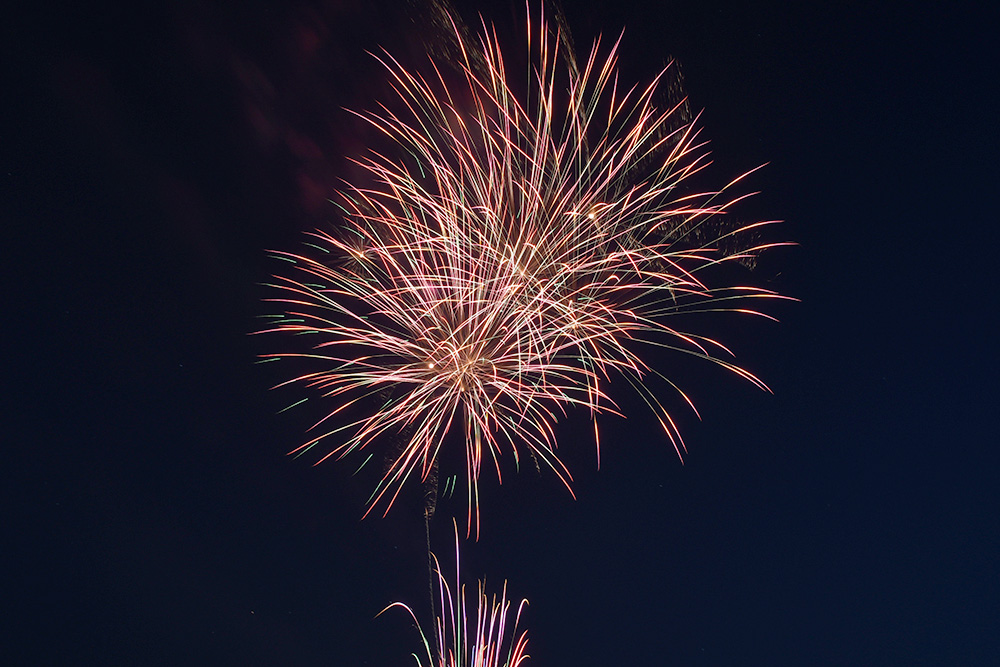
[(483, 632)]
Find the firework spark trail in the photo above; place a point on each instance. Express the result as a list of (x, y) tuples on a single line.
[(508, 264), (483, 634)]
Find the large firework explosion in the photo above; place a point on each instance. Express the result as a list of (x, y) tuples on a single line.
[(519, 242)]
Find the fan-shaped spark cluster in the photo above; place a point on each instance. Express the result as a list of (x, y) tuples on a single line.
[(482, 634)]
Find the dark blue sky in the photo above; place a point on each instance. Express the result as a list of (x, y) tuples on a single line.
[(151, 516)]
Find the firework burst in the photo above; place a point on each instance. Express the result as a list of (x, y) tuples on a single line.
[(482, 634), (514, 249)]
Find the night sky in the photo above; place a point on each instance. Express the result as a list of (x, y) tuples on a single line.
[(152, 516)]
